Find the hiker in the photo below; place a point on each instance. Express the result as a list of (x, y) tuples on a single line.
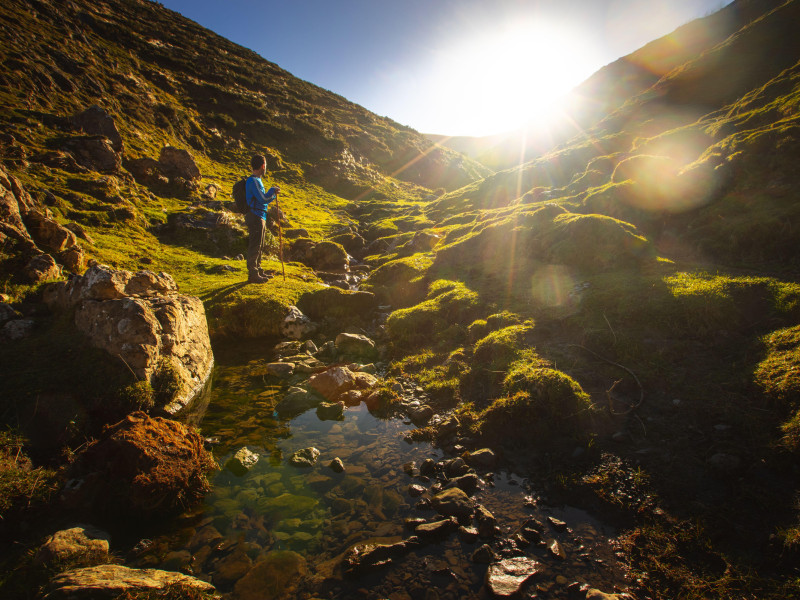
[(256, 218)]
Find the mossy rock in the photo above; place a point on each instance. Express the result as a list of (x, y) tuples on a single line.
[(778, 377), (402, 282), (337, 303), (448, 303), (544, 407), (500, 348)]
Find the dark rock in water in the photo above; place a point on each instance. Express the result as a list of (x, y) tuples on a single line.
[(242, 461), (415, 490), (557, 550), (366, 557), (482, 459), (437, 529), (278, 570), (487, 524), (333, 382), (79, 546), (424, 504), (468, 483), (330, 410), (557, 524), (232, 568), (484, 555), (506, 578), (468, 535), (428, 467), (456, 467), (336, 465), (296, 401), (453, 502), (307, 457), (420, 415), (725, 463), (111, 581), (280, 369)]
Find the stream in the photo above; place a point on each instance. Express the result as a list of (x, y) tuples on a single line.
[(277, 530)]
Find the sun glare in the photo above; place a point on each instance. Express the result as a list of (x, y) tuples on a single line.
[(505, 78)]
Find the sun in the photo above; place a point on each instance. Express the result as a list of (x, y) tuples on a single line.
[(503, 79)]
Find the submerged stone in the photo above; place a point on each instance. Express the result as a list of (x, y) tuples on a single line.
[(453, 502), (242, 461), (273, 577), (336, 465)]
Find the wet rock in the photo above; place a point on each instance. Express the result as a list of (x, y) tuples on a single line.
[(336, 465), (456, 467), (428, 467), (147, 464), (420, 415), (307, 457), (482, 459), (557, 524), (506, 578), (231, 568), (484, 555), (352, 344), (177, 560), (242, 461), (205, 536), (436, 529), (280, 369), (415, 490), (557, 550), (273, 577), (296, 325), (354, 397), (330, 410), (487, 524), (79, 546), (453, 502), (595, 594), (42, 267), (332, 382), (468, 483), (295, 402), (367, 557), (112, 581), (468, 535)]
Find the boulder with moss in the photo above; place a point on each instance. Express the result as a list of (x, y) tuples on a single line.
[(146, 465), (142, 320)]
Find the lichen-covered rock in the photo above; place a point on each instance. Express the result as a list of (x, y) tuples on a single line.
[(141, 319), (147, 465), (42, 267), (111, 581), (83, 545), (453, 502)]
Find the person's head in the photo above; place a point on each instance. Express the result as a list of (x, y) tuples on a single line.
[(259, 163)]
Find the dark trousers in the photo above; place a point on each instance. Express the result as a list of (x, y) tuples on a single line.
[(256, 227)]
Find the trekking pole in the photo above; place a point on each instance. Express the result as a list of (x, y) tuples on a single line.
[(280, 236)]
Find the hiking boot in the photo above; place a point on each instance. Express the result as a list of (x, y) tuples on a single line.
[(257, 278)]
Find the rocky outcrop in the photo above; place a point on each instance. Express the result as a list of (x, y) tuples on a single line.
[(94, 152), (111, 581), (140, 319), (96, 121), (177, 162), (146, 465)]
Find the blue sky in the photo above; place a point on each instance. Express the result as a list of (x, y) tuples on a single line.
[(454, 67)]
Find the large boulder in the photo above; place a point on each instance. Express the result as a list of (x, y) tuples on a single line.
[(96, 121), (148, 465), (47, 232), (95, 152), (141, 319), (42, 267), (177, 162), (112, 581)]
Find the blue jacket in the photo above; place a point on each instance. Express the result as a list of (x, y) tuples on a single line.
[(257, 199)]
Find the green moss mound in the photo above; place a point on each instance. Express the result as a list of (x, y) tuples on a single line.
[(401, 282), (544, 407), (500, 348), (449, 304), (778, 377)]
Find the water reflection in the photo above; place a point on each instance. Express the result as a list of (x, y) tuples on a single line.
[(285, 529)]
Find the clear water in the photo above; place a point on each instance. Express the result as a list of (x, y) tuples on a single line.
[(318, 514)]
